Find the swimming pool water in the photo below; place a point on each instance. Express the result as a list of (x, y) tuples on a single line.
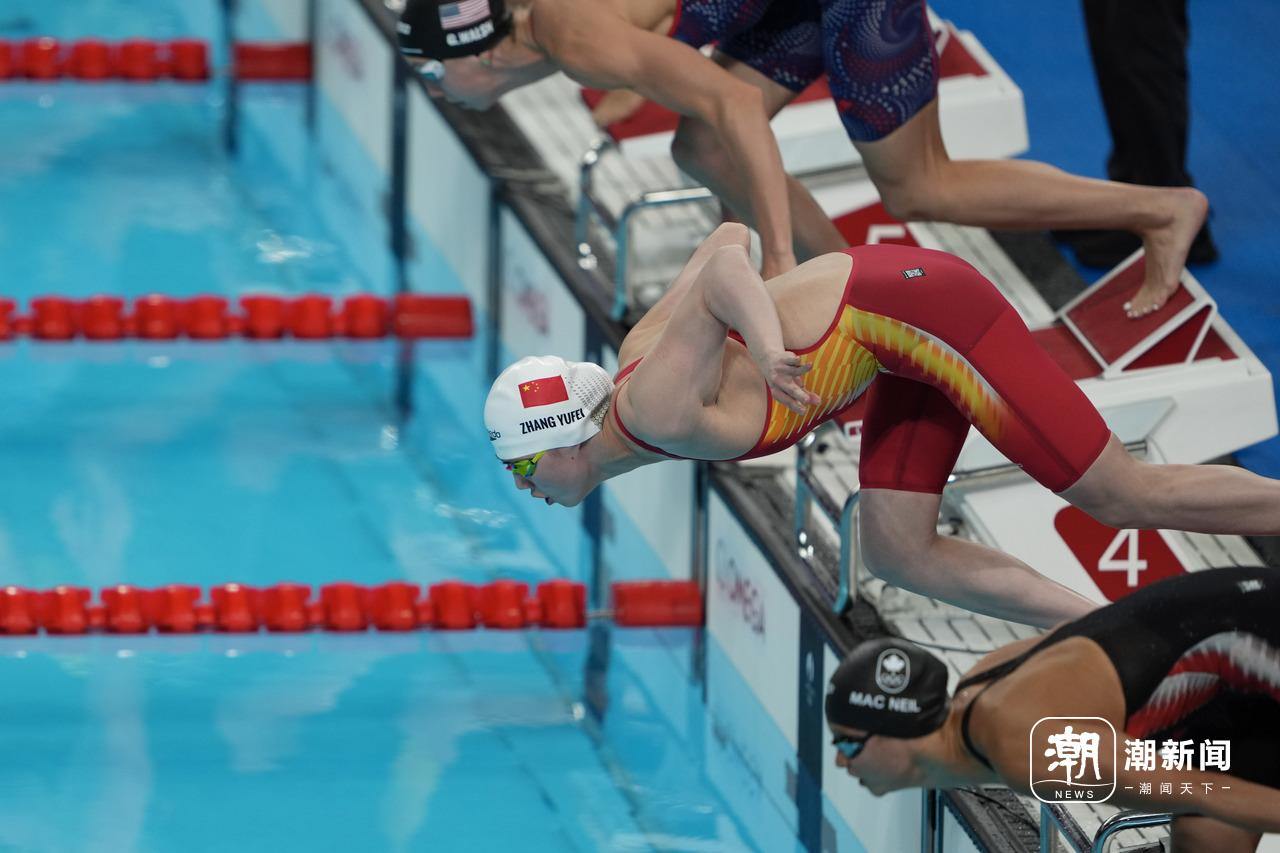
[(150, 463)]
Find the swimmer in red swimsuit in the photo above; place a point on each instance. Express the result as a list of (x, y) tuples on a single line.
[(726, 366), (879, 58)]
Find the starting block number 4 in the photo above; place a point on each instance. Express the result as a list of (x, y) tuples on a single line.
[(1132, 565), (1117, 561)]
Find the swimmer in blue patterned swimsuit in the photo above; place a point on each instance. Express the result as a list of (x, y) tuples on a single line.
[(878, 55), (882, 68)]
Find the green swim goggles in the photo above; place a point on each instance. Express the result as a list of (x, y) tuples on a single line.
[(526, 467)]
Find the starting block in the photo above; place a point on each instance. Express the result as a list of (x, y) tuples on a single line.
[(1175, 334)]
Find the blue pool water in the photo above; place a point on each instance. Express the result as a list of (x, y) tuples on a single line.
[(149, 463)]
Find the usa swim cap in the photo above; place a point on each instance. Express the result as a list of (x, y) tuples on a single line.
[(889, 687), (544, 402), (431, 29)]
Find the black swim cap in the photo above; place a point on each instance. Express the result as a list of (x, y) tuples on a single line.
[(889, 687), (431, 29)]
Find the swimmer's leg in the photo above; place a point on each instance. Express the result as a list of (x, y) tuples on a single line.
[(699, 153), (1193, 834), (1031, 411), (918, 181), (911, 437), (1127, 493), (900, 544)]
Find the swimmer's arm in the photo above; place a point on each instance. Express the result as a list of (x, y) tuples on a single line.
[(598, 48), (681, 375), (726, 234), (621, 104), (683, 372), (515, 76), (617, 105), (735, 295)]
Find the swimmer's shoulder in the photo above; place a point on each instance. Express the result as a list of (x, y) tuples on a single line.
[(565, 26), (1070, 678)]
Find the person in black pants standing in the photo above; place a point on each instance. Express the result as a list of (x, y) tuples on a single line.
[(1139, 52)]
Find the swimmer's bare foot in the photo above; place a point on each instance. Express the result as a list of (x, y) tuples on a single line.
[(1166, 249)]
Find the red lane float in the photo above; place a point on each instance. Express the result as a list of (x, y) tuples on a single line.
[(156, 317), (64, 610), (127, 610), (102, 318), (263, 316), (285, 607), (363, 316), (53, 318), (8, 67), (502, 605), (8, 323), (172, 608), (312, 316), (419, 315), (188, 60), (91, 59), (261, 61), (562, 604), (454, 605), (652, 603), (236, 608), (139, 59), (342, 607), (345, 607), (41, 58), (394, 607), (206, 318), (19, 611)]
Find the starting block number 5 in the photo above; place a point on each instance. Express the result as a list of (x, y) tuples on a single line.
[(1133, 564), (879, 233)]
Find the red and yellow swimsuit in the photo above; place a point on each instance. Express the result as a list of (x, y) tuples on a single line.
[(945, 350)]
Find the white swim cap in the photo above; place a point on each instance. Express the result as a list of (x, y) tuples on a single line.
[(544, 402)]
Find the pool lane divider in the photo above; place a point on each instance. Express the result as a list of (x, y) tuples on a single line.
[(143, 60), (343, 607), (260, 317)]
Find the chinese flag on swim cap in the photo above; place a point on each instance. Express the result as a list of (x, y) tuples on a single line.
[(543, 392)]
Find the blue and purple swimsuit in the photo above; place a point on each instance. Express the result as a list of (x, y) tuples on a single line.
[(878, 55)]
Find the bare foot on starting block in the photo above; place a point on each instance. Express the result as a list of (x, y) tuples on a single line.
[(1166, 249)]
